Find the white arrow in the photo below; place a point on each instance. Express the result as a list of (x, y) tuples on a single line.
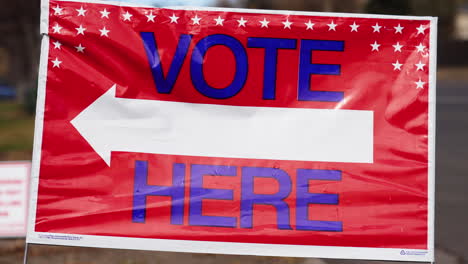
[(160, 127)]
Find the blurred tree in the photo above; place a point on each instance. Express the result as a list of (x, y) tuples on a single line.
[(353, 6), (3, 63), (19, 29), (301, 5), (223, 3), (309, 5), (391, 7), (446, 10)]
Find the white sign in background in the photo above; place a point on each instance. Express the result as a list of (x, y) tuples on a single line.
[(14, 183)]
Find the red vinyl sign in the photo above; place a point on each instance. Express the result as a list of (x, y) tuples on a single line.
[(235, 131)]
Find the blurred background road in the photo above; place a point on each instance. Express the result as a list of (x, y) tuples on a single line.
[(452, 166), (19, 53)]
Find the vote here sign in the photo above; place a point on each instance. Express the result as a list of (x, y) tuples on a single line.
[(235, 131), (14, 184)]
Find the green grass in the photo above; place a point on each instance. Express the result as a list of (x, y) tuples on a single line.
[(16, 132)]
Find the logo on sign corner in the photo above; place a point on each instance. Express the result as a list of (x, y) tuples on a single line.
[(412, 253)]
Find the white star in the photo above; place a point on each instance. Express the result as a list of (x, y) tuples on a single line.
[(196, 20), (80, 48), (104, 32), (287, 24), (219, 21), (354, 27), (57, 28), (127, 16), (309, 25), (80, 30), (81, 11), (57, 45), (150, 17), (264, 23), (420, 66), (56, 63), (399, 29), (57, 10), (421, 47), (421, 29), (104, 13), (242, 22), (398, 47), (332, 26), (375, 46), (377, 27), (397, 65), (174, 18), (420, 84)]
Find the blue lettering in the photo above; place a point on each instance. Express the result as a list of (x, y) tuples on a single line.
[(271, 46), (307, 68), (196, 68), (198, 193), (304, 198), (163, 84), (249, 198), (142, 190)]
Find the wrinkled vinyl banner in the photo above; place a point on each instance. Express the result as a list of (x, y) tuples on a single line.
[(235, 131)]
